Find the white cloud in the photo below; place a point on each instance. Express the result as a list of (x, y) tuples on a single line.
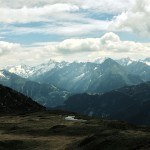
[(109, 42), (136, 19), (73, 18), (36, 14), (65, 18), (20, 11), (108, 6), (87, 26), (109, 45), (6, 47)]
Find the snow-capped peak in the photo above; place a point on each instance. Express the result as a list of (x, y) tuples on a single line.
[(1, 74), (4, 74), (21, 70), (42, 68), (27, 71), (146, 61), (125, 61), (100, 60)]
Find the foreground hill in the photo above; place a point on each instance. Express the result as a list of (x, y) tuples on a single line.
[(14, 102), (56, 131), (131, 103)]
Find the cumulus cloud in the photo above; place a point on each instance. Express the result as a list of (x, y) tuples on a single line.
[(110, 42), (136, 19), (109, 45), (6, 47)]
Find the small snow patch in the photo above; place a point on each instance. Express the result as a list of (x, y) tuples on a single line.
[(1, 74), (72, 118)]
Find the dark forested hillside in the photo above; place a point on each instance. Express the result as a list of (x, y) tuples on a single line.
[(131, 103), (14, 102)]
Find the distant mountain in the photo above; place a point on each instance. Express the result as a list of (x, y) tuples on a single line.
[(21, 70), (146, 61), (100, 76), (14, 102), (125, 61), (27, 71), (100, 60), (45, 94), (141, 69), (31, 72), (131, 103), (89, 77)]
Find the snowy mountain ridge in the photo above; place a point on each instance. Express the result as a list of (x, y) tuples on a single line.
[(146, 61), (28, 71)]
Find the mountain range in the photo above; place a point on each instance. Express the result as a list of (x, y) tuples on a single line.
[(90, 77), (28, 71), (107, 88), (50, 84)]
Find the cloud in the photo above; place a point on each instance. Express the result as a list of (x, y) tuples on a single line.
[(68, 28), (110, 42), (72, 20), (20, 11), (65, 19), (61, 17), (6, 47), (109, 45), (36, 14), (107, 6), (136, 19)]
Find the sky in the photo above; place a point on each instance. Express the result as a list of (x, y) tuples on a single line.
[(32, 32)]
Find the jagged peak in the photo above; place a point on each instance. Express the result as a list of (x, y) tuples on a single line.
[(109, 61), (100, 60), (125, 61)]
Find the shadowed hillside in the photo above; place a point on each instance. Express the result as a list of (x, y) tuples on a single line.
[(130, 103), (14, 102)]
